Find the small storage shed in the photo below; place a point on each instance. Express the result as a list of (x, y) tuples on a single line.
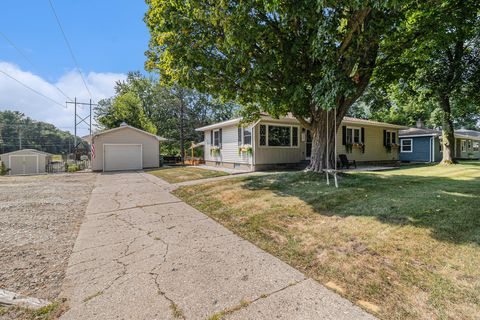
[(26, 161), (125, 148)]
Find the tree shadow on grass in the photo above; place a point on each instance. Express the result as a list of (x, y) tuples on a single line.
[(450, 208)]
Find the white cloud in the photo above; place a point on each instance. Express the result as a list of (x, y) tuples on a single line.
[(14, 96)]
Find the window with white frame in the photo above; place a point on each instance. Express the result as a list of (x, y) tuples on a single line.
[(464, 145), (244, 136), (476, 146), (216, 138), (353, 135), (406, 145), (278, 136), (469, 144)]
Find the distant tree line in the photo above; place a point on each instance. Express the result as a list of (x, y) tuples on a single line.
[(18, 131), (172, 112)]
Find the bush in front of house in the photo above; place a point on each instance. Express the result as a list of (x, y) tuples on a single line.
[(3, 169)]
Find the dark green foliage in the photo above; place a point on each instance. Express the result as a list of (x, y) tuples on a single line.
[(302, 57), (16, 127)]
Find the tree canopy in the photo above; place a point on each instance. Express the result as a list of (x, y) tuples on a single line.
[(303, 57), (18, 131), (438, 75)]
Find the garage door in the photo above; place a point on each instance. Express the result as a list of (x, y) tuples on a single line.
[(20, 164), (122, 157)]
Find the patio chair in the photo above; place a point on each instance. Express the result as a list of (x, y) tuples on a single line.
[(345, 163)]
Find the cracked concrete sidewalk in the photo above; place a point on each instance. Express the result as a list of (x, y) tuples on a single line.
[(141, 253)]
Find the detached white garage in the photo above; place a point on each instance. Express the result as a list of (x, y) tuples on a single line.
[(26, 161), (125, 148)]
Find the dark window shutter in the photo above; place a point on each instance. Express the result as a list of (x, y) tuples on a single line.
[(211, 137), (344, 135), (363, 135), (384, 138), (239, 136), (220, 137)]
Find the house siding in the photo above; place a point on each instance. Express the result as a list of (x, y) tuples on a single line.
[(278, 155), (374, 148), (229, 150), (150, 146), (265, 156), (468, 153), (420, 151)]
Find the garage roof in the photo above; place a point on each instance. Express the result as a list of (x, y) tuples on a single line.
[(30, 150), (123, 126)]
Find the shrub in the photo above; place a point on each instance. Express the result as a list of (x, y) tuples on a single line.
[(3, 169), (72, 168)]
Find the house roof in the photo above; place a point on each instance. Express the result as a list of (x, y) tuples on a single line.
[(121, 127), (467, 132), (347, 120), (420, 132), (30, 150), (426, 132)]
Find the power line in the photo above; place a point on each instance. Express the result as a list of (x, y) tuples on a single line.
[(30, 62), (30, 88), (69, 48)]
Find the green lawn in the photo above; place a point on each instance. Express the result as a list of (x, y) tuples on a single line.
[(181, 174), (404, 244)]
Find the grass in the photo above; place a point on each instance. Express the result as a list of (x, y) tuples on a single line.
[(176, 311), (182, 174), (49, 312), (404, 244)]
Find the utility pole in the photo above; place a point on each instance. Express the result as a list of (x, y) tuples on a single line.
[(19, 130), (79, 119)]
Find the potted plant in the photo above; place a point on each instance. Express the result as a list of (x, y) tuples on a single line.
[(245, 149), (360, 146), (215, 151)]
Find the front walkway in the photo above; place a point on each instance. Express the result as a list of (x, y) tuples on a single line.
[(142, 253)]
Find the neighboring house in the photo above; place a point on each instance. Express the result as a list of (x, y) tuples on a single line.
[(271, 142), (124, 148), (26, 161), (425, 145)]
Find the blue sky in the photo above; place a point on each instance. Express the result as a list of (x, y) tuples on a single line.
[(108, 38), (106, 35)]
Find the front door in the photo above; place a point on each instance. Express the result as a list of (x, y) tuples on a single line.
[(308, 144)]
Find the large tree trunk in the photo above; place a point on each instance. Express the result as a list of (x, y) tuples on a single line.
[(448, 137), (323, 142)]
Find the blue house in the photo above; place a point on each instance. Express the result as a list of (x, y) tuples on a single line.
[(425, 145)]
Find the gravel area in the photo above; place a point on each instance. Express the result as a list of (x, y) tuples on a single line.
[(39, 221)]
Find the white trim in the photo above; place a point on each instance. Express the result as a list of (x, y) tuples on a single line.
[(130, 127), (122, 144), (291, 126), (432, 149), (219, 125), (401, 145), (353, 134), (417, 135)]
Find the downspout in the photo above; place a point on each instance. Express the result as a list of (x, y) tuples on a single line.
[(433, 149), (254, 144)]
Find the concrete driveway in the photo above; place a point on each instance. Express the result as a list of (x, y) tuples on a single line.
[(142, 253)]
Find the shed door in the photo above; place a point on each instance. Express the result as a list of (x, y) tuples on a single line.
[(122, 157), (23, 164)]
